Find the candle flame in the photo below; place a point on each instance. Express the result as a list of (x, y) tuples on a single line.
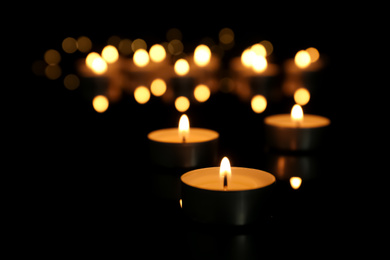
[(184, 127), (297, 113), (181, 67), (202, 55), (224, 169), (295, 182)]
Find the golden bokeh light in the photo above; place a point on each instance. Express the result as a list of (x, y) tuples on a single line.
[(182, 104), (110, 54), (157, 53), (259, 63), (158, 87), (259, 103), (259, 49), (125, 47), (69, 45), (302, 59), (175, 47), (84, 44), (52, 57), (53, 71), (202, 55), (302, 96), (141, 58), (295, 182), (226, 36), (100, 103), (71, 81), (90, 58), (138, 44), (314, 54), (142, 94), (98, 65), (201, 93), (181, 67), (246, 58), (269, 48)]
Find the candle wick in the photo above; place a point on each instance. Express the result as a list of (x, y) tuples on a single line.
[(184, 139), (225, 182)]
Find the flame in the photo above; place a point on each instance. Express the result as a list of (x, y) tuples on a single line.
[(224, 169), (202, 55), (259, 63), (184, 127), (295, 182), (297, 113)]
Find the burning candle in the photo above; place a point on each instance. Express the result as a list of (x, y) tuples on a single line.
[(183, 147), (225, 194), (295, 131)]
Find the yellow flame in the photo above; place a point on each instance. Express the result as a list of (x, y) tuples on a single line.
[(295, 182), (224, 169), (181, 67), (184, 127), (302, 59), (100, 103), (202, 55), (297, 113)]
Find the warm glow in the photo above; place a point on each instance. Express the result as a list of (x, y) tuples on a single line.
[(110, 54), (141, 58), (181, 203), (259, 49), (202, 93), (99, 66), (297, 113), (84, 44), (182, 104), (314, 54), (259, 63), (100, 103), (295, 182), (259, 103), (246, 58), (142, 94), (182, 67), (302, 59), (158, 87), (224, 169), (69, 45), (202, 55), (52, 57), (184, 127), (157, 53), (269, 48), (302, 96), (90, 58)]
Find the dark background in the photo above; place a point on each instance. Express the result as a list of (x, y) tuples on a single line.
[(86, 186)]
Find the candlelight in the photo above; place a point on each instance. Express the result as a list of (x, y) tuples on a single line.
[(225, 172), (259, 50), (52, 57), (100, 103), (202, 93), (90, 58), (158, 87), (202, 55), (182, 67), (259, 103), (84, 44), (246, 58), (142, 94), (157, 53), (141, 58), (69, 45), (110, 54), (297, 113), (98, 65), (182, 104), (295, 182), (184, 127), (314, 54), (302, 96), (259, 63), (302, 59)]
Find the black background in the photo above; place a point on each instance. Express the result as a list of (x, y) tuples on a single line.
[(84, 184)]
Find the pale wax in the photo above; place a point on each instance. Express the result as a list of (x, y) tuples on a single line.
[(309, 121), (171, 135)]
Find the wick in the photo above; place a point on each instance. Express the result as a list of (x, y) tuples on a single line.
[(184, 139), (225, 182)]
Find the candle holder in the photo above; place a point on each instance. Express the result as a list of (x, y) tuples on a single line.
[(238, 206)]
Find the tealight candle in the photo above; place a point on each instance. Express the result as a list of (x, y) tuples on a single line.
[(295, 131), (183, 147), (225, 195)]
